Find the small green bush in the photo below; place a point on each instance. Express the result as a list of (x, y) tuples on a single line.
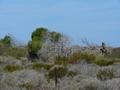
[(74, 57), (34, 46), (57, 72), (38, 66), (12, 68), (55, 37), (39, 34), (105, 74), (90, 86), (60, 71), (15, 52), (72, 74), (104, 62), (115, 53), (90, 58), (61, 60), (6, 41), (28, 86)]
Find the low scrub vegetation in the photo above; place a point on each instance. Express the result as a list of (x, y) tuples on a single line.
[(27, 86), (57, 72), (72, 74), (104, 62), (38, 66), (12, 68), (76, 57), (105, 74), (88, 57), (50, 62), (61, 60), (15, 52)]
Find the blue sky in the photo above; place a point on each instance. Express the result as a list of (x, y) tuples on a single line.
[(96, 20)]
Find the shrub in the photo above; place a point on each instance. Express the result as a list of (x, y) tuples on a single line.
[(90, 87), (61, 60), (28, 86), (72, 74), (57, 72), (115, 53), (34, 46), (104, 62), (12, 68), (16, 52), (55, 36), (39, 34), (74, 57), (6, 41), (38, 66), (105, 74), (36, 43), (88, 57)]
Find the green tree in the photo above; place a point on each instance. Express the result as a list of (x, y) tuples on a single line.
[(6, 41), (39, 37), (55, 37), (39, 34), (36, 43), (34, 46)]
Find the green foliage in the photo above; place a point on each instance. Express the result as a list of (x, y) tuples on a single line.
[(34, 46), (74, 57), (115, 53), (38, 66), (39, 34), (90, 86), (6, 41), (1, 44), (12, 68), (105, 74), (28, 86), (55, 36), (8, 49), (37, 37), (16, 52), (89, 58), (61, 60), (104, 61), (57, 72), (72, 74)]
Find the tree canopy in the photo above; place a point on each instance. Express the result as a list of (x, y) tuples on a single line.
[(6, 41)]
